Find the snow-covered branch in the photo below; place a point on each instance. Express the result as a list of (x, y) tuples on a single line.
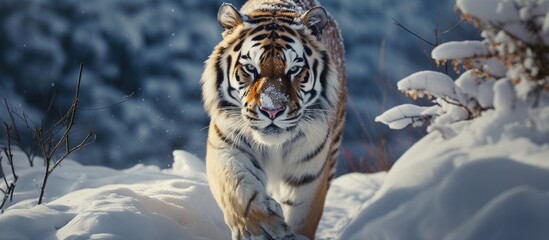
[(428, 83), (508, 65), (405, 115)]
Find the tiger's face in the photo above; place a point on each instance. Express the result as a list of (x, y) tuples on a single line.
[(273, 70)]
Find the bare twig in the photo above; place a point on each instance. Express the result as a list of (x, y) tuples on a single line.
[(80, 145), (49, 144), (8, 193), (436, 31), (27, 148), (452, 27), (7, 150), (408, 30), (125, 99)]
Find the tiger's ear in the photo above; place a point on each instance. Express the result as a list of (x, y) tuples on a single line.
[(228, 17), (316, 19)]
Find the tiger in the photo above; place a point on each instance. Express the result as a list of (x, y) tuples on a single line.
[(275, 91)]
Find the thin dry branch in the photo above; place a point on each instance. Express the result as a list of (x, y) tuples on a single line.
[(436, 31), (49, 143), (411, 32), (8, 193), (54, 142), (124, 99), (16, 135), (80, 145)]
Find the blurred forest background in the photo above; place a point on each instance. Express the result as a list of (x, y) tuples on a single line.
[(150, 53)]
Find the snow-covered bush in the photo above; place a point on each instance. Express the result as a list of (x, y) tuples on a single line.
[(508, 69)]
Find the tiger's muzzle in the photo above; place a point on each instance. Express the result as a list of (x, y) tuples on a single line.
[(272, 111)]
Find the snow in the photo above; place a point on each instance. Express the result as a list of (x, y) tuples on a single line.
[(510, 15), (468, 83), (427, 82), (402, 116), (494, 67), (346, 196), (144, 202), (88, 202), (504, 96), (459, 50), (185, 162), (475, 88), (271, 98), (483, 183), (490, 10)]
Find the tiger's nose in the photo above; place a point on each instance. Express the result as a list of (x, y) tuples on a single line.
[(272, 113)]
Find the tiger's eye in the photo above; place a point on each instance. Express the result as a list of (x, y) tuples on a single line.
[(294, 69), (249, 67)]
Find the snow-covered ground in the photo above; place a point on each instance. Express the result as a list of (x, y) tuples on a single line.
[(143, 202), (485, 179), (489, 179)]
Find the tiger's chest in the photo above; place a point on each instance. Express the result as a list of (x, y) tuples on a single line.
[(301, 157)]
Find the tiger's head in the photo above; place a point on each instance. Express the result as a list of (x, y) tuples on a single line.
[(270, 76)]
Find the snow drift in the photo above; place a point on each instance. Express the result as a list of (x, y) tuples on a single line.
[(87, 202), (144, 202), (484, 179)]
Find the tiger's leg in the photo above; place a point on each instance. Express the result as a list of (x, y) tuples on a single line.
[(304, 205), (238, 184)]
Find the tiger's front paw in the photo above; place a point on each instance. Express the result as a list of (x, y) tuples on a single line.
[(262, 219)]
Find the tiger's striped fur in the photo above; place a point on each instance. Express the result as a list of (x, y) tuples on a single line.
[(274, 88)]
